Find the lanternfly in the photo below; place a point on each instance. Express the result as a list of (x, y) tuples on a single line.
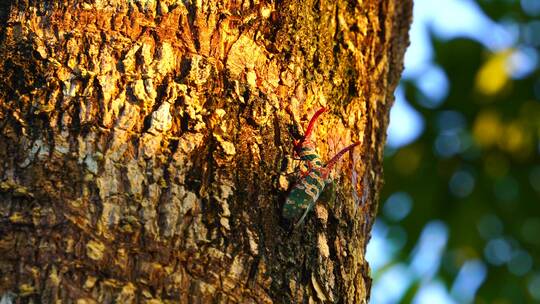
[(305, 192)]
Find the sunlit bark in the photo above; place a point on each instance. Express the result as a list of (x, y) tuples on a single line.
[(146, 147)]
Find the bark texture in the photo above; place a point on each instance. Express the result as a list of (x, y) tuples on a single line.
[(146, 147)]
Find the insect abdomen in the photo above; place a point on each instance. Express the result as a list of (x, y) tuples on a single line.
[(303, 195)]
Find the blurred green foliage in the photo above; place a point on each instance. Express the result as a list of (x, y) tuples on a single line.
[(475, 167)]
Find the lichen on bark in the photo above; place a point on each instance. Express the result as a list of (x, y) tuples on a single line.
[(146, 147)]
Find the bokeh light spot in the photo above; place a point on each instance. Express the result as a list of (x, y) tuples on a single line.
[(517, 139), (450, 121), (427, 253), (448, 144), (392, 285), (492, 76), (530, 33), (379, 249), (461, 184), (406, 124), (531, 7), (498, 251), (397, 206), (434, 84), (470, 277), (522, 62), (490, 226), (433, 292), (534, 286), (487, 128), (464, 18), (520, 263)]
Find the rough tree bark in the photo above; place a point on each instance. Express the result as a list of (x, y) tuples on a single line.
[(145, 147)]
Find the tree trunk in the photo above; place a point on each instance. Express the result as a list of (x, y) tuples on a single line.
[(146, 147)]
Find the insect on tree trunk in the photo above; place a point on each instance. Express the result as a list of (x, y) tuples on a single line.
[(146, 147)]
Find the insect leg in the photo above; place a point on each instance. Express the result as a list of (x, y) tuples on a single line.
[(301, 220), (313, 189)]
